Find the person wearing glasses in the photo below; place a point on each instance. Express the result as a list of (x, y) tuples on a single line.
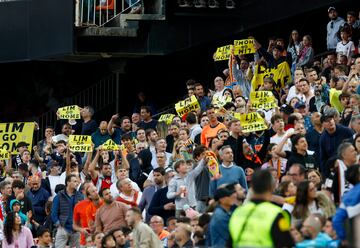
[(332, 28)]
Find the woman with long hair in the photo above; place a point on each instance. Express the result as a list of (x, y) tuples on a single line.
[(294, 45), (309, 201), (15, 235), (314, 176), (306, 54)]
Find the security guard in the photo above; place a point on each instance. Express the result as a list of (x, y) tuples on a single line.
[(259, 223)]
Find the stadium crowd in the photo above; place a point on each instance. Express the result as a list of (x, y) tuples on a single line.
[(202, 179)]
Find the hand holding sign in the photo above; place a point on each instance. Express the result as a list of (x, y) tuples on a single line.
[(69, 112)]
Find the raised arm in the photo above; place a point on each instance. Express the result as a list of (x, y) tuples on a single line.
[(92, 166), (68, 161), (88, 160), (280, 146), (110, 127)]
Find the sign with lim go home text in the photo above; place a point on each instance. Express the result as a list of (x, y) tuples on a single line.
[(13, 133), (80, 143), (69, 112), (188, 105)]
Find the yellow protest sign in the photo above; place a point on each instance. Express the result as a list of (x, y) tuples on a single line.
[(80, 143), (236, 115), (69, 112), (219, 102), (4, 155), (245, 46), (110, 145), (262, 100), (252, 122), (334, 99), (223, 53), (13, 133), (281, 75), (186, 106), (167, 118)]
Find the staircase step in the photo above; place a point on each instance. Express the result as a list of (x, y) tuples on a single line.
[(142, 17), (108, 31)]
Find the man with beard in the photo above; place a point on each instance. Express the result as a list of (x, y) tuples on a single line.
[(110, 215), (118, 127), (332, 28), (95, 203)]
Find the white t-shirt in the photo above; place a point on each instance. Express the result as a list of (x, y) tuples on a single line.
[(345, 49), (345, 186), (292, 94), (54, 180), (276, 139)]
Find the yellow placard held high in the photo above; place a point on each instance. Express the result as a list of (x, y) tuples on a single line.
[(80, 143), (245, 46), (186, 106), (252, 122), (219, 102), (110, 145), (223, 53), (281, 75), (13, 133), (69, 112), (262, 100), (167, 118), (4, 155)]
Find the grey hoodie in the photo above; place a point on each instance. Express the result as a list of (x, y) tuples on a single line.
[(188, 182)]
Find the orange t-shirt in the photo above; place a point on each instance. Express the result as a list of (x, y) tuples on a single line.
[(209, 132), (91, 211), (163, 234), (80, 216)]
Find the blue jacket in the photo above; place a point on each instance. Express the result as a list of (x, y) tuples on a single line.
[(349, 208), (330, 142), (219, 227), (204, 103), (39, 198), (157, 204), (63, 209), (322, 240)]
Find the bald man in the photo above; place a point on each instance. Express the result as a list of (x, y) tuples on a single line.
[(101, 134), (39, 196), (311, 231), (157, 225)]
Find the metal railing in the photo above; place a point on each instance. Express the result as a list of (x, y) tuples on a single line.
[(99, 96), (100, 12)]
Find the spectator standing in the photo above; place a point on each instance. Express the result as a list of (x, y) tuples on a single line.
[(147, 121), (39, 196), (143, 235), (332, 28), (89, 125), (330, 139), (230, 172), (211, 130), (100, 135), (110, 215), (62, 213), (219, 231)]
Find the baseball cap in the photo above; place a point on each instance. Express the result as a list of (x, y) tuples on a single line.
[(299, 105), (21, 144), (221, 193), (331, 8), (287, 109)]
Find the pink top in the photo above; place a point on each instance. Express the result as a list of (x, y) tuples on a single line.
[(24, 240)]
